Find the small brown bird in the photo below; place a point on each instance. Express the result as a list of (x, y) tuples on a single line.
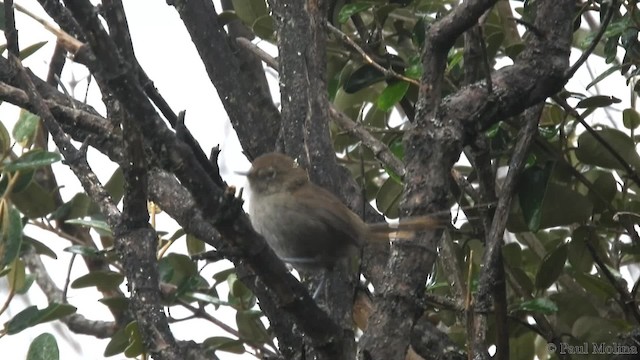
[(306, 225)]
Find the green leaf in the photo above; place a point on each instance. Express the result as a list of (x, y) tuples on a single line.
[(250, 327), (98, 225), (11, 237), (117, 344), (34, 201), (31, 316), (135, 346), (591, 151), (391, 95), (551, 267), (605, 74), (250, 10), (598, 329), (349, 10), (176, 268), (240, 297), (22, 320), (363, 77), (630, 118), (83, 250), (523, 279), (17, 275), (598, 101), (578, 254), (388, 198), (226, 17), (539, 305), (116, 303), (103, 280), (25, 128), (76, 208), (55, 311), (44, 347), (531, 192), (39, 247), (5, 139), (29, 50), (552, 115), (596, 286), (223, 275), (603, 190), (562, 206), (194, 245), (224, 344), (263, 27), (32, 160), (198, 296)]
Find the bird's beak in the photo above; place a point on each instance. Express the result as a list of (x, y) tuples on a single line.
[(243, 173)]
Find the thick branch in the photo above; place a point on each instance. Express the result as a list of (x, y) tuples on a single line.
[(435, 142), (76, 322), (252, 114)]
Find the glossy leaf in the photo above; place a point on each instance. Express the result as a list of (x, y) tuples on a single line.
[(44, 347), (250, 327), (388, 198), (531, 192), (250, 10), (630, 118), (83, 250), (194, 245), (591, 151), (240, 297), (198, 296), (29, 50), (17, 277), (31, 316), (117, 344), (176, 268), (11, 237), (34, 201), (391, 95), (32, 160), (578, 254), (39, 247), (551, 267), (365, 76), (348, 10), (264, 27), (135, 346), (605, 74), (598, 101), (603, 190), (100, 226), (539, 305), (5, 139), (116, 303), (24, 131), (224, 344), (103, 280)]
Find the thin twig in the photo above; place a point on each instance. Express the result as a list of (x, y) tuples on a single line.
[(387, 72), (596, 40), (70, 43), (627, 167), (380, 150), (68, 279), (203, 314)]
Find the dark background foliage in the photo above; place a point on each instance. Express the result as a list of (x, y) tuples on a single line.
[(541, 260)]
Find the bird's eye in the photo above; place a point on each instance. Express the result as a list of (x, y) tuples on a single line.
[(269, 173)]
